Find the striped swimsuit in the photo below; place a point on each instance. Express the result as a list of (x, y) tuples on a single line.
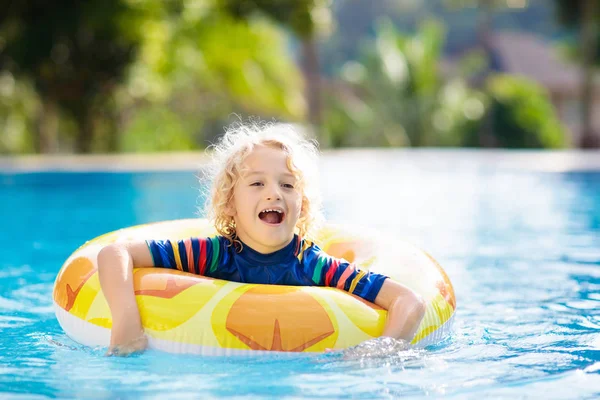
[(300, 263)]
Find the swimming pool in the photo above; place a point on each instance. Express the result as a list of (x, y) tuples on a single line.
[(520, 242)]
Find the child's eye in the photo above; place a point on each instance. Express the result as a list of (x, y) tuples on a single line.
[(287, 185), (256, 184)]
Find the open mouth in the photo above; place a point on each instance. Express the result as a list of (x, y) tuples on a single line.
[(272, 216)]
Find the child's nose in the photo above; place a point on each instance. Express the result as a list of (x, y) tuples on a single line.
[(273, 193), (273, 196)]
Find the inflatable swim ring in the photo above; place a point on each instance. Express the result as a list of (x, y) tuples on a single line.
[(185, 313)]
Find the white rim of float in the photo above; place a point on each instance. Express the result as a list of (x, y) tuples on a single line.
[(88, 334)]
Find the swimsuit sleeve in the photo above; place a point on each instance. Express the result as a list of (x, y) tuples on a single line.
[(339, 273), (201, 256)]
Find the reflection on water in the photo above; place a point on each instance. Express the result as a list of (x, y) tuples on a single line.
[(522, 249)]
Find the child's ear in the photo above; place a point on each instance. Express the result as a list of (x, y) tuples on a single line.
[(302, 212)]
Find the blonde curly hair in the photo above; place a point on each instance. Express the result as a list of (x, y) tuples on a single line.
[(230, 152)]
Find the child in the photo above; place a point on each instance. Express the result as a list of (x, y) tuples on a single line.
[(264, 204)]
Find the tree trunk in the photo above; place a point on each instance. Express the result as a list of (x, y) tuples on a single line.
[(112, 139), (85, 133), (47, 129), (589, 37), (310, 69), (111, 128), (485, 32)]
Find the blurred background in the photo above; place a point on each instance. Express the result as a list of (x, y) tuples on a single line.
[(115, 76)]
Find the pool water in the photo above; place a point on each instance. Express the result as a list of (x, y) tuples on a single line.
[(522, 248)]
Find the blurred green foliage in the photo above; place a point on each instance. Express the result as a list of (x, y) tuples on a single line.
[(396, 96), (152, 75), (584, 17), (74, 54), (354, 20), (18, 103), (157, 128), (569, 13), (100, 69), (521, 116), (303, 17), (201, 66)]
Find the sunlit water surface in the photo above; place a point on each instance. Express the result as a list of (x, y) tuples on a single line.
[(522, 249)]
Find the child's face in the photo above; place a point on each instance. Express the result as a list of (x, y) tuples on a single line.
[(266, 183)]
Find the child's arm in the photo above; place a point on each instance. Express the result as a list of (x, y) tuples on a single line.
[(405, 310), (115, 270)]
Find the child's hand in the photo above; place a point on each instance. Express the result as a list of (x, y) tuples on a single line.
[(136, 345), (127, 337)]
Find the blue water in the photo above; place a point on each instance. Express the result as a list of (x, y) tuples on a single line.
[(522, 249)]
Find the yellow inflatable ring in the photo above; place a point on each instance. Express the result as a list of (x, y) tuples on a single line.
[(184, 313)]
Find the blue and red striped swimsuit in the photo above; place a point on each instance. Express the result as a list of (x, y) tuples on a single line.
[(300, 263)]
